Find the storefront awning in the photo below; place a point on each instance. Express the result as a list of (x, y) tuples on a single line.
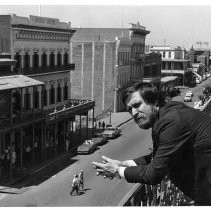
[(17, 81)]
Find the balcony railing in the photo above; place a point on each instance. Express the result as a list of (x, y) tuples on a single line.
[(73, 107), (43, 69), (163, 194)]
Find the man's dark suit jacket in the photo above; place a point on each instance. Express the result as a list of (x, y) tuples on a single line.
[(182, 151)]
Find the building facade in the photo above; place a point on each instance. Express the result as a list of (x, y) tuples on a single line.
[(106, 62), (175, 62), (41, 48)]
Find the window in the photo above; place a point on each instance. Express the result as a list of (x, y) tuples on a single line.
[(44, 59), (65, 58), (169, 54), (36, 99), (169, 65), (45, 98), (59, 99), (59, 63), (27, 60), (65, 91), (52, 95), (18, 59), (52, 60), (27, 100), (163, 65), (164, 54), (36, 59)]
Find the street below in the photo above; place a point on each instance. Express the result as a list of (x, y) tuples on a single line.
[(55, 189)]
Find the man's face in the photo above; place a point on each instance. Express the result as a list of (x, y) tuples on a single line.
[(142, 113)]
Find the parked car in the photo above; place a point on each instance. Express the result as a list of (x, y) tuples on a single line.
[(111, 132), (101, 140), (87, 147), (188, 98), (190, 92), (198, 105)]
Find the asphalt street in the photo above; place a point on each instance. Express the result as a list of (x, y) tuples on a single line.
[(52, 186)]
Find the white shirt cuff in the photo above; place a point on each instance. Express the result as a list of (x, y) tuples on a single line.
[(131, 163), (121, 171)]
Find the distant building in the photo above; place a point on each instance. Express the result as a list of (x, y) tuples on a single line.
[(200, 54), (175, 62), (107, 60), (152, 68)]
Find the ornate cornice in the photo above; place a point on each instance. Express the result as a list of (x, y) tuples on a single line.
[(41, 35)]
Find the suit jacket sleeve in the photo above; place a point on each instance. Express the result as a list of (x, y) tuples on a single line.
[(173, 136), (143, 160)]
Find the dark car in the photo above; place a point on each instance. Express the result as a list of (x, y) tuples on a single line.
[(101, 140), (87, 147)]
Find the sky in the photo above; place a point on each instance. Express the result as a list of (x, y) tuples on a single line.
[(176, 24)]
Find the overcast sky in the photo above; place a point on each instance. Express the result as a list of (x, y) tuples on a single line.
[(180, 25)]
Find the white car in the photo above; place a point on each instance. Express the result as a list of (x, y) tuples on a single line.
[(112, 133), (189, 93), (198, 105), (188, 98)]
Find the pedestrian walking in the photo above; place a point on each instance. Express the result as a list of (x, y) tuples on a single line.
[(75, 185), (81, 180), (103, 125), (99, 124), (181, 138)]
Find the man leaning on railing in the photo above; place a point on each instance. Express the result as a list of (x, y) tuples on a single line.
[(181, 145)]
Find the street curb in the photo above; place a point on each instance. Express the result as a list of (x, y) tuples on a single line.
[(124, 122)]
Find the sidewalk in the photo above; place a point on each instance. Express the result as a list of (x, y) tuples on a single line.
[(117, 120)]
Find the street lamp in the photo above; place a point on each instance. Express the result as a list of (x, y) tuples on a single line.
[(109, 110)]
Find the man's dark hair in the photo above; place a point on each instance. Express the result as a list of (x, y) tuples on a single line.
[(148, 92)]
